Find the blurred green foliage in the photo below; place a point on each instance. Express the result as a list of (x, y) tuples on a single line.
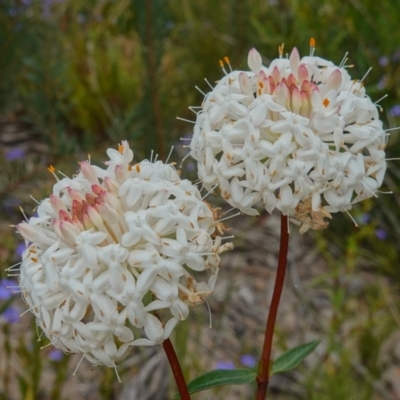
[(84, 74), (90, 72)]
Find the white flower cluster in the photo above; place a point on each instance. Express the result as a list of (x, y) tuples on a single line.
[(300, 136), (111, 250)]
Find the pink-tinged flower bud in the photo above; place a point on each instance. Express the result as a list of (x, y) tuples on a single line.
[(302, 73), (121, 173), (28, 232), (69, 232), (296, 102), (87, 222), (276, 75), (64, 216), (95, 217), (271, 85), (111, 185), (294, 59), (57, 228), (245, 84), (98, 190), (281, 94), (334, 81), (291, 81), (57, 203), (254, 60), (304, 104), (75, 195), (89, 172)]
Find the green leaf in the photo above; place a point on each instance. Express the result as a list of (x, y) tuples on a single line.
[(220, 377), (292, 358)]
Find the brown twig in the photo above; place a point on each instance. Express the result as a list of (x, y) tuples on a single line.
[(176, 370), (264, 364)]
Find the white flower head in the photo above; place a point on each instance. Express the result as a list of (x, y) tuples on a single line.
[(299, 136), (117, 248)]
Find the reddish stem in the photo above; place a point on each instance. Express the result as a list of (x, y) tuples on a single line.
[(176, 370), (264, 364)]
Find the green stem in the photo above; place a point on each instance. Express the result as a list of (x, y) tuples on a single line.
[(176, 370), (265, 361)]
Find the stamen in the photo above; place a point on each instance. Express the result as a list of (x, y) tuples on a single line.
[(392, 159), (221, 64), (344, 60), (226, 59), (169, 155), (228, 237), (191, 108), (116, 373), (354, 221), (47, 345), (36, 201), (79, 363), (391, 129), (151, 156), (185, 138), (366, 186), (369, 70), (186, 120), (52, 170), (280, 50), (200, 91), (184, 159), (26, 311), (383, 97), (312, 46), (23, 213), (382, 192), (226, 212), (209, 84), (224, 219), (12, 266), (212, 189)]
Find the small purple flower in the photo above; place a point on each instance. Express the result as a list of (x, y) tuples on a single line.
[(382, 83), (11, 315), (396, 55), (225, 365), (381, 234), (16, 153), (20, 249), (248, 361), (363, 219), (395, 111), (190, 166), (6, 292), (384, 61), (55, 355)]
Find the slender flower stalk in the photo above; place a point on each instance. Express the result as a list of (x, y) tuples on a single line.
[(176, 369), (264, 364)]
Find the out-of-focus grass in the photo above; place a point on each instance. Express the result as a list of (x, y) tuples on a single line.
[(89, 73)]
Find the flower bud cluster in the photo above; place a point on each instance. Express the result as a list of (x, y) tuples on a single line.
[(299, 136), (112, 251)]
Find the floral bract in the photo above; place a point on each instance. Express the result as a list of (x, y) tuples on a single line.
[(299, 136), (109, 248)]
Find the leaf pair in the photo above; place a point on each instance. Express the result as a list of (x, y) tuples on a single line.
[(222, 377)]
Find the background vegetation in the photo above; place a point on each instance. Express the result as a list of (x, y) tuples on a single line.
[(77, 76)]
